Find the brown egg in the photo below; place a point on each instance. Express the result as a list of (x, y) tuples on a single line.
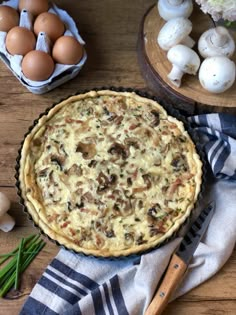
[(67, 50), (37, 65), (20, 40), (49, 23), (9, 18), (34, 6)]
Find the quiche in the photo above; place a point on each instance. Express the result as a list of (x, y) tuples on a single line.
[(109, 173)]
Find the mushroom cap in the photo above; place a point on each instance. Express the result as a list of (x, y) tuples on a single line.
[(184, 58), (169, 11), (207, 47), (4, 204), (7, 223), (217, 74), (173, 32)]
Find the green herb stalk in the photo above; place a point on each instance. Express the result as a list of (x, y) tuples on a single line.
[(21, 257)]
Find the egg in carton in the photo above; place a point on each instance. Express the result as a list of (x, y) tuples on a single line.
[(61, 72)]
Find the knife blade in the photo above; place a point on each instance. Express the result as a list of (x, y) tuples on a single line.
[(180, 260)]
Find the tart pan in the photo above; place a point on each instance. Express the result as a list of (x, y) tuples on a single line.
[(172, 112)]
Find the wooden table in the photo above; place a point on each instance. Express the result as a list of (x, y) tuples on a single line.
[(110, 30)]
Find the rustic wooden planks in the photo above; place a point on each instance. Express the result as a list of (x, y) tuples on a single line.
[(110, 29)]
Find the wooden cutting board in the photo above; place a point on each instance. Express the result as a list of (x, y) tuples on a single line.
[(155, 66)]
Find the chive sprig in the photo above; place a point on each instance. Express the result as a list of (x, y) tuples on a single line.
[(19, 259)]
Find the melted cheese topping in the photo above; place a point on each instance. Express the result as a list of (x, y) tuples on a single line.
[(110, 173)]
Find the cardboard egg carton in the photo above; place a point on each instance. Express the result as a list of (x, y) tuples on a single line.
[(62, 73)]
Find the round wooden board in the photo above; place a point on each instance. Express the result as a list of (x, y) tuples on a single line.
[(155, 66)]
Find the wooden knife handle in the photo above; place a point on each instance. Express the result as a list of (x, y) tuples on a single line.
[(171, 280)]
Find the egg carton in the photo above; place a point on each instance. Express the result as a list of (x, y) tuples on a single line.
[(62, 73)]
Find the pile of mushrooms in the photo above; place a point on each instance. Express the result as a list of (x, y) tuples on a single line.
[(216, 46), (6, 221)]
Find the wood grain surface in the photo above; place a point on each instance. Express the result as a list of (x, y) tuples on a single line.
[(190, 89), (110, 30)]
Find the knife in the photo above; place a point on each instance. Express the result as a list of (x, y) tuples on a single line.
[(180, 261)]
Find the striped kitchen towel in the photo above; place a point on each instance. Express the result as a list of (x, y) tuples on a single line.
[(73, 284), (218, 133)]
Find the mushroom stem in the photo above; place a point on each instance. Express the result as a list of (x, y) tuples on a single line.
[(188, 41), (219, 37), (6, 223), (175, 2), (175, 76)]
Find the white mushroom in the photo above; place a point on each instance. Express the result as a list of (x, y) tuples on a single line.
[(217, 74), (175, 32), (170, 9), (216, 42), (184, 60), (6, 221)]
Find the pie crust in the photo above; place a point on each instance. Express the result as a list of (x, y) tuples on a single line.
[(109, 173)]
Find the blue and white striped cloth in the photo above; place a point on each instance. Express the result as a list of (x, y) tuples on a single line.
[(73, 284), (218, 132)]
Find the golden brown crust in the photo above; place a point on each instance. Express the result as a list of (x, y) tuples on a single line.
[(100, 241)]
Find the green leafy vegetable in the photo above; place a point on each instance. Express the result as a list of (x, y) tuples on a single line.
[(20, 257)]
